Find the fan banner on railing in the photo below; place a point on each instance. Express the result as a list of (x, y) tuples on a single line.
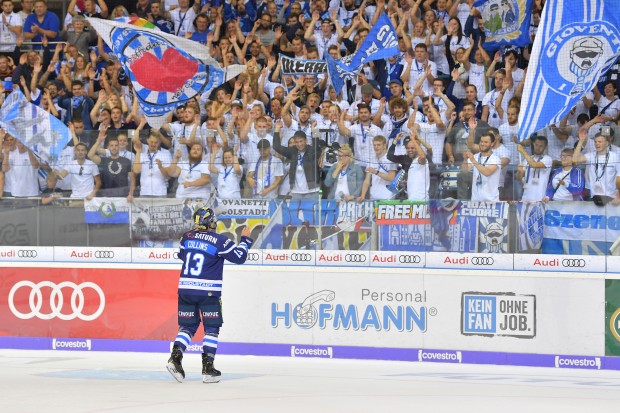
[(165, 70), (576, 43), (506, 22), (106, 211), (444, 225), (33, 126)]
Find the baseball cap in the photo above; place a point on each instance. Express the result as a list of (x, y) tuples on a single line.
[(236, 102), (328, 21), (367, 89), (263, 144), (397, 81), (300, 134)]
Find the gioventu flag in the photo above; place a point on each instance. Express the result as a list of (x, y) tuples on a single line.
[(506, 22), (33, 126), (165, 70), (381, 43), (577, 41)]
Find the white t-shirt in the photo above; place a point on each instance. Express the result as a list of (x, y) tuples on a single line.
[(436, 137), (183, 21), (562, 193), (502, 152), (416, 71), (228, 182), (265, 173), (536, 179), (152, 182), (601, 173), (7, 36), (418, 181), (23, 178), (190, 173), (82, 177), (363, 147), (486, 188), (378, 189)]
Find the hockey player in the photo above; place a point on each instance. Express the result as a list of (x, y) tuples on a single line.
[(203, 252)]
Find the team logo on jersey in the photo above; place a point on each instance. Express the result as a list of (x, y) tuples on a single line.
[(573, 57)]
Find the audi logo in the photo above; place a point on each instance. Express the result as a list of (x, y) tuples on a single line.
[(26, 253), (56, 300), (574, 262), (355, 258), (409, 259), (301, 257), (482, 261), (104, 254), (253, 256)]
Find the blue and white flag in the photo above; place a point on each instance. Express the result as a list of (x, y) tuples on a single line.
[(165, 70), (37, 129), (576, 42), (106, 211), (381, 43), (506, 22)]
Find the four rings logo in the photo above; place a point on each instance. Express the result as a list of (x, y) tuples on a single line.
[(56, 300), (104, 254), (301, 257), (409, 259), (355, 258), (574, 262), (253, 256), (27, 253), (482, 260)]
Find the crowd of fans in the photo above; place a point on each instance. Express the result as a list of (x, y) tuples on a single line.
[(444, 110)]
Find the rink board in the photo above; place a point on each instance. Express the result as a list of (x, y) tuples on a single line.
[(417, 314)]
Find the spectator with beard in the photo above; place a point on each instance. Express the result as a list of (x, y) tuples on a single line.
[(194, 175)]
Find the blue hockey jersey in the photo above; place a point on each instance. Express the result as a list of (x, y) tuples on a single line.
[(203, 254)]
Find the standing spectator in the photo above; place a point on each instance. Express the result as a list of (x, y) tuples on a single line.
[(41, 23), (415, 165), (265, 176), (362, 133), (78, 37), (380, 173), (20, 168), (536, 169), (608, 104), (10, 29), (345, 177), (229, 173), (566, 183), (78, 104), (304, 176), (183, 17), (194, 176), (117, 175), (602, 167), (85, 179), (486, 170), (151, 166), (158, 18), (27, 9), (420, 70)]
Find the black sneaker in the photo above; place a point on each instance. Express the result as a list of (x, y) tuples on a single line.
[(174, 364), (209, 373)]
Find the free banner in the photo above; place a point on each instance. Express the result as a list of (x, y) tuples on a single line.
[(506, 22), (458, 226), (580, 228), (290, 66)]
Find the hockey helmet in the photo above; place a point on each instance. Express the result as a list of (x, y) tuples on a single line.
[(205, 218)]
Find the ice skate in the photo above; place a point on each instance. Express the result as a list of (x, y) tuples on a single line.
[(209, 373), (174, 364)]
